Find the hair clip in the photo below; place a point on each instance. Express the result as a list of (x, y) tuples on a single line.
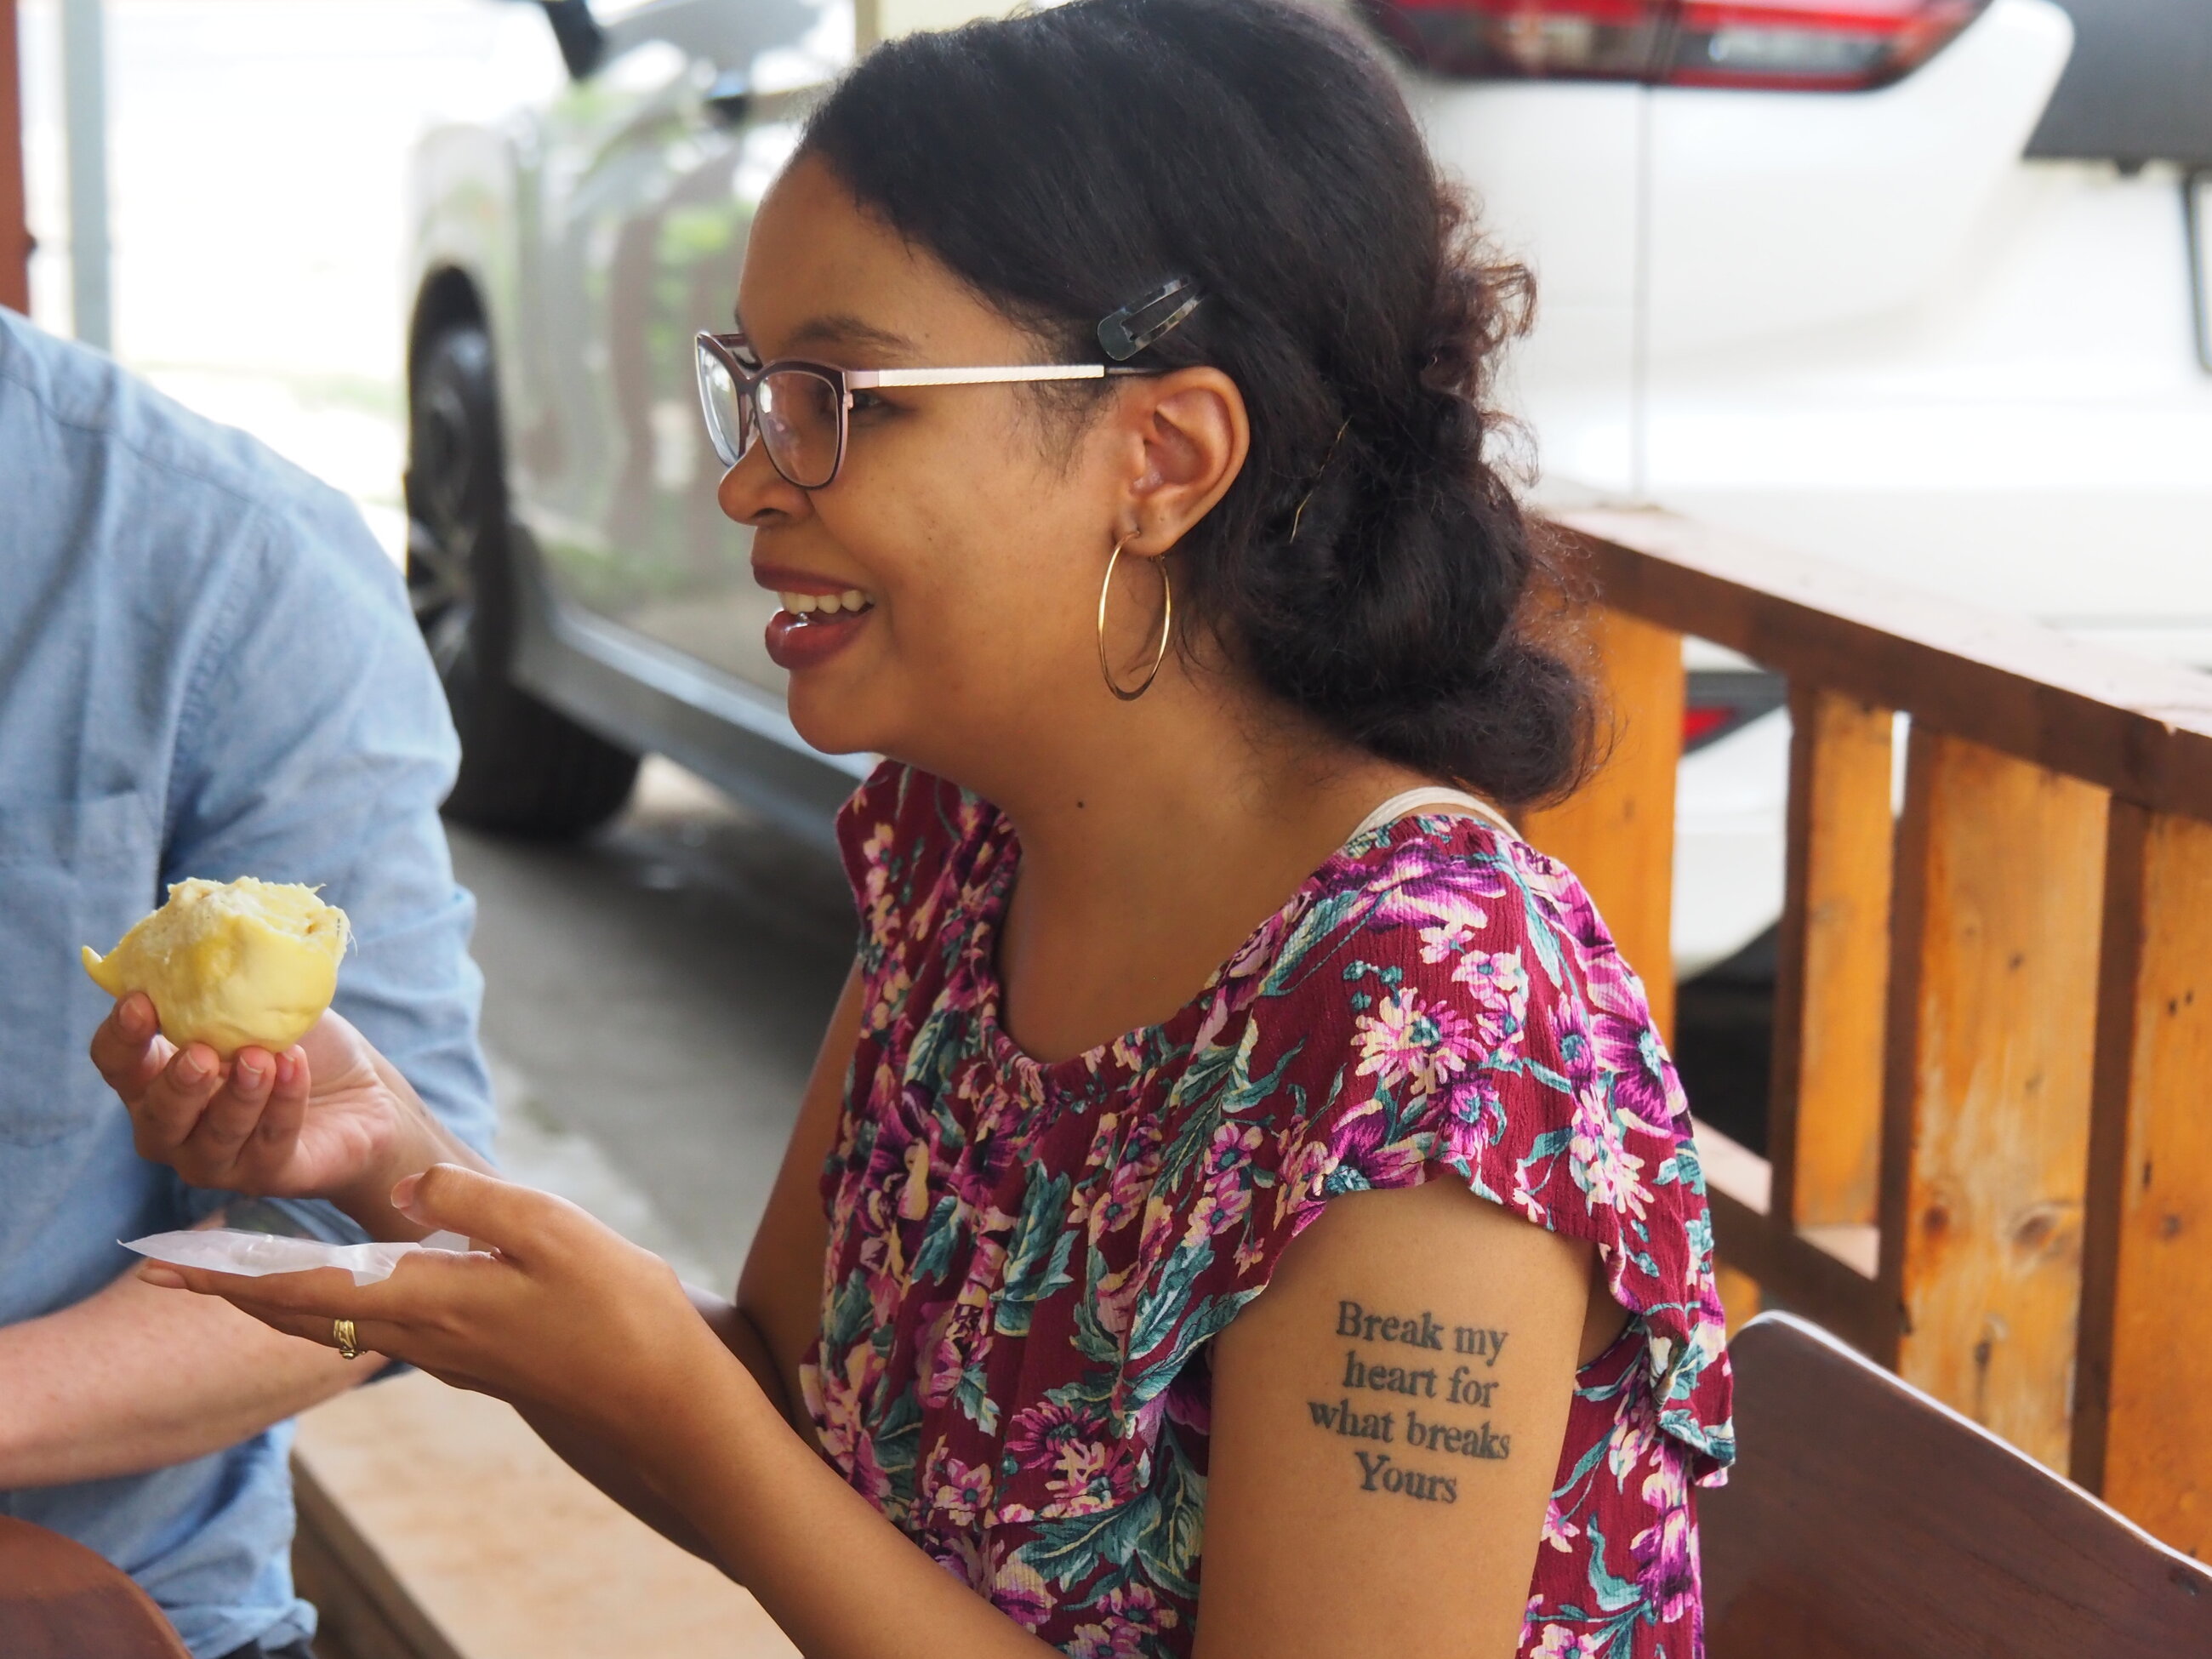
[(1125, 332)]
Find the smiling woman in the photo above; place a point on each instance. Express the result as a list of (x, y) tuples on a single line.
[(1242, 1205)]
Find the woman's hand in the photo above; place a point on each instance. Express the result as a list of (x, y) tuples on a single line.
[(328, 1118), (571, 1322), (567, 1316)]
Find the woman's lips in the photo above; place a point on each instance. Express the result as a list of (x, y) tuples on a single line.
[(801, 641)]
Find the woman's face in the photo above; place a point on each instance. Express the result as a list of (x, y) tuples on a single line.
[(974, 525)]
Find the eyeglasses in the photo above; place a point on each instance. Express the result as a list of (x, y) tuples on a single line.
[(800, 412)]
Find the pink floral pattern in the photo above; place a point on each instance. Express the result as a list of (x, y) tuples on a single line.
[(1027, 1261)]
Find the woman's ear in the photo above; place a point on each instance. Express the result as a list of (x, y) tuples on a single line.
[(1187, 435)]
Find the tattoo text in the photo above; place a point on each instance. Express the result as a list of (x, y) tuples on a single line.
[(1403, 1425)]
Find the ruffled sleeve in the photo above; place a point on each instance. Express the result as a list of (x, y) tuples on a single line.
[(1451, 1008)]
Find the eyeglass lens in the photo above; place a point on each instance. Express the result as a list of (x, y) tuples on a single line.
[(799, 422), (794, 411), (723, 407)]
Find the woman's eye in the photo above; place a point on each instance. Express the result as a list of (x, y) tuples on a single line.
[(864, 401)]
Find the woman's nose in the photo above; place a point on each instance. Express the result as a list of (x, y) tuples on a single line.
[(754, 492)]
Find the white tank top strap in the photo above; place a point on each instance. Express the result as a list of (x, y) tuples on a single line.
[(1431, 795)]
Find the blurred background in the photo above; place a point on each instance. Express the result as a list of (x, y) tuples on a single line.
[(258, 160)]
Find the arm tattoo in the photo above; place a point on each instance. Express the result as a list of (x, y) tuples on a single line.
[(1370, 1367)]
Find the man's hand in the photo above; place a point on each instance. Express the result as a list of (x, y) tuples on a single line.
[(328, 1118)]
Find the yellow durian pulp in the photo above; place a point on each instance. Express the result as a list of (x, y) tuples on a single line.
[(231, 963)]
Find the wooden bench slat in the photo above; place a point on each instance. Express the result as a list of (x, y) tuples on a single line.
[(444, 1528), (1617, 833), (1992, 1021), (2143, 1436), (1825, 1105), (59, 1599), (2140, 727)]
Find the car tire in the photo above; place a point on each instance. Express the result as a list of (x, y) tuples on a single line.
[(526, 770)]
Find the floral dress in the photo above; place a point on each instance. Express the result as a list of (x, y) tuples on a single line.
[(1026, 1261)]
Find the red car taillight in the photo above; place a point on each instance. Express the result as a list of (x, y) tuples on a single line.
[(1822, 46), (1702, 723), (1719, 701)]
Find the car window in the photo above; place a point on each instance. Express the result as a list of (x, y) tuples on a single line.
[(2138, 87)]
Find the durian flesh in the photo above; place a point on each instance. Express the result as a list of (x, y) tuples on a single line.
[(231, 963)]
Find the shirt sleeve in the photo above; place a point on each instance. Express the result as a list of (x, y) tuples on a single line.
[(1461, 1015), (1495, 1037), (315, 748)]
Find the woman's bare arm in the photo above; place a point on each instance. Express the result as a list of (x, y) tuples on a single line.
[(1386, 1428)]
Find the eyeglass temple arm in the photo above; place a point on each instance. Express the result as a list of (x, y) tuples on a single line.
[(863, 379)]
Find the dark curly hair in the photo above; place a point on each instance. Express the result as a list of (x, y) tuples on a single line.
[(1065, 162)]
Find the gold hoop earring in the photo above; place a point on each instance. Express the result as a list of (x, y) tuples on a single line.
[(1167, 624)]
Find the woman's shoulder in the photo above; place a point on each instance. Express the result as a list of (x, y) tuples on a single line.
[(1449, 912), (1466, 990), (1449, 1003)]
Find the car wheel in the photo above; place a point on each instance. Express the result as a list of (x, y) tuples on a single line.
[(526, 769)]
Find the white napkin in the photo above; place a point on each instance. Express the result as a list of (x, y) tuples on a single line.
[(227, 1250)]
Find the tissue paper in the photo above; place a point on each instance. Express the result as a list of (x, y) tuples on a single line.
[(227, 1250)]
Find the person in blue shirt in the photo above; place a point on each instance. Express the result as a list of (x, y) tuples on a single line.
[(208, 667)]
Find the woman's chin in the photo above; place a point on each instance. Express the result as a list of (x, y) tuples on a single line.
[(831, 719)]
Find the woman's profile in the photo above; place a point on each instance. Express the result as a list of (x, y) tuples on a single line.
[(1242, 1205)]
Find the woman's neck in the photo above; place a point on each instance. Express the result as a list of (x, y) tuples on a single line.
[(1152, 844)]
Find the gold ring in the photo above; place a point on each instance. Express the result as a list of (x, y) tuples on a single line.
[(341, 1333)]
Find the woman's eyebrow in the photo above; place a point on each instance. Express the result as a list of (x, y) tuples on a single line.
[(842, 329)]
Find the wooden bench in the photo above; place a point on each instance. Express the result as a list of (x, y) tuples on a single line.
[(1868, 1520)]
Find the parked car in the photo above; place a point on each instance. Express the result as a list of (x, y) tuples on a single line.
[(1845, 274)]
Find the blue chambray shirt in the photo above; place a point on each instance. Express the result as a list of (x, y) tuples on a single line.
[(207, 668)]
